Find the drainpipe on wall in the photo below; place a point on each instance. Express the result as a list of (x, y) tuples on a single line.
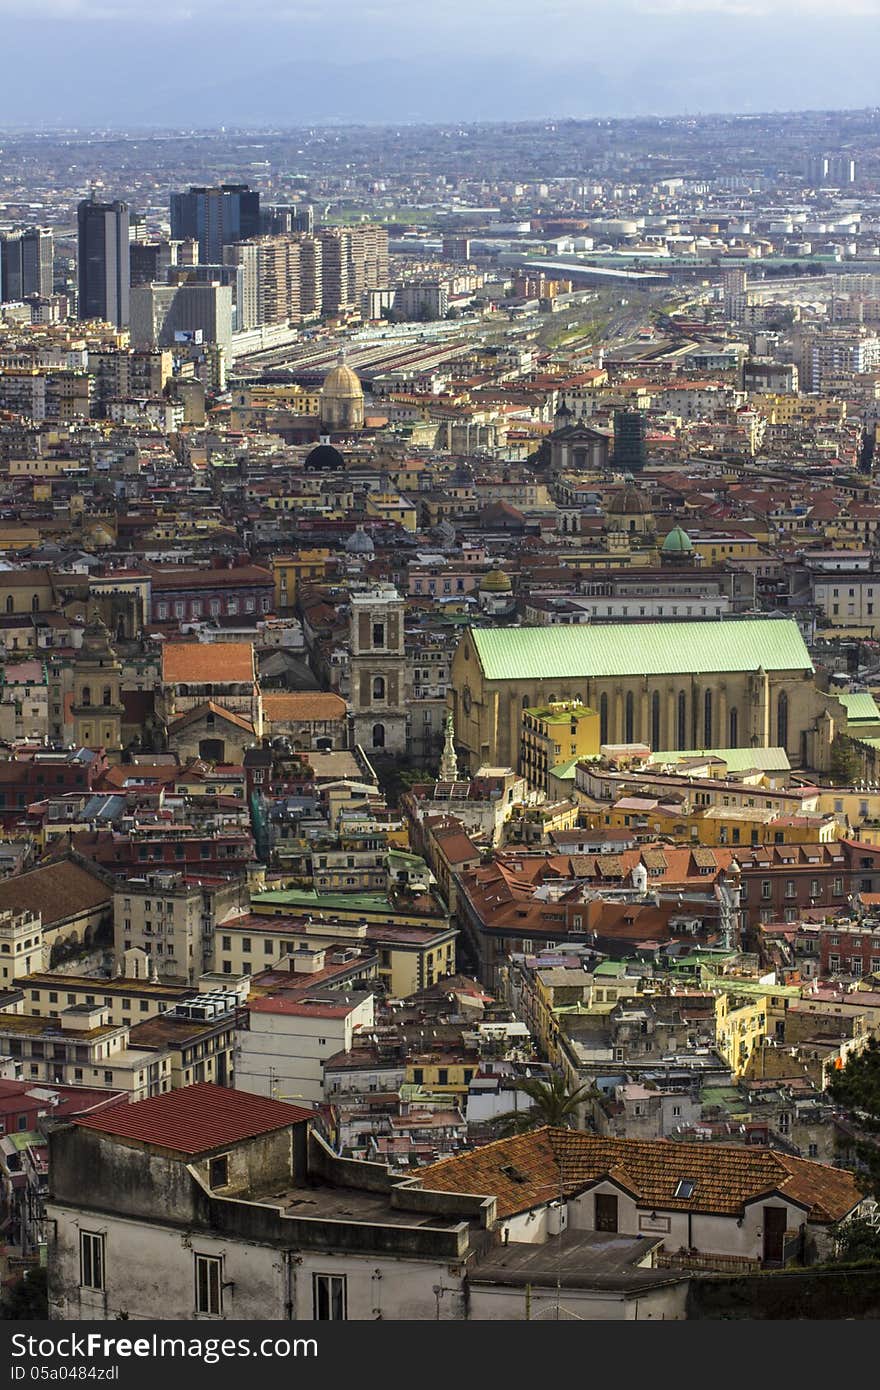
[(291, 1260)]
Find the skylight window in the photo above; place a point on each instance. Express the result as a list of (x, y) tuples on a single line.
[(685, 1188)]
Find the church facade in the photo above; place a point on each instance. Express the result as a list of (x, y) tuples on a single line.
[(745, 683)]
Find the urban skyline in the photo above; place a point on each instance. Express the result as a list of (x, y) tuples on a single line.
[(439, 665)]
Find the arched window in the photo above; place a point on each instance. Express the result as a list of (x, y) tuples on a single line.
[(707, 719), (603, 718), (378, 687), (782, 720), (629, 719), (525, 702), (87, 695), (655, 720), (733, 736), (107, 695), (378, 735), (35, 603), (681, 730), (10, 603)]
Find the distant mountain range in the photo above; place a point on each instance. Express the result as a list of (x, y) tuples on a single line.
[(209, 72)]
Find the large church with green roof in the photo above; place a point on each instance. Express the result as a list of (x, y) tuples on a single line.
[(736, 683)]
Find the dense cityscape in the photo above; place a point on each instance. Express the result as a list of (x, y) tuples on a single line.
[(440, 721)]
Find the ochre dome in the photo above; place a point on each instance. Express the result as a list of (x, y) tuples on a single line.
[(496, 582), (342, 384), (342, 399)]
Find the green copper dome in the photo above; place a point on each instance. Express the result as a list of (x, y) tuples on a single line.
[(677, 540)]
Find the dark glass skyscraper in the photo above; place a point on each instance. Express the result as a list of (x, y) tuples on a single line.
[(215, 217), (26, 264), (103, 262)]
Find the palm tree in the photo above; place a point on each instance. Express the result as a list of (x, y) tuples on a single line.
[(552, 1104)]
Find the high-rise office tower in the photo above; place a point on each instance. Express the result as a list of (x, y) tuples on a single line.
[(103, 264), (841, 170), (834, 169), (26, 263), (245, 256), (10, 268), (37, 262), (167, 315), (282, 221), (151, 260), (215, 218)]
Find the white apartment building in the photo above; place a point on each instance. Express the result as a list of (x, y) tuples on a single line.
[(282, 1051)]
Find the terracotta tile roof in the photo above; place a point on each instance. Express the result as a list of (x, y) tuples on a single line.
[(220, 662), (457, 848), (299, 1008), (196, 1119), (58, 891), (115, 777), (303, 705), (192, 716), (179, 578), (527, 1170)]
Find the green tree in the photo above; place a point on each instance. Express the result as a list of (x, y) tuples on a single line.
[(27, 1299), (858, 1242), (844, 762), (856, 1087), (553, 1103)]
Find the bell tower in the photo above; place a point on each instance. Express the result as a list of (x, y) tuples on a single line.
[(97, 707), (378, 666)]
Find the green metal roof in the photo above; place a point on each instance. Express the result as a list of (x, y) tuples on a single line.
[(401, 858), (639, 649), (737, 759), (729, 984), (860, 706), (307, 897), (564, 772), (370, 904)]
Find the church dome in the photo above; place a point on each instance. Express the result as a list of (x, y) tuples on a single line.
[(496, 582), (322, 457), (342, 398), (628, 502), (677, 542), (342, 384), (461, 476), (359, 543)]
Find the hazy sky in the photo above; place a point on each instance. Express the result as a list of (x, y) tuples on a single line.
[(232, 61)]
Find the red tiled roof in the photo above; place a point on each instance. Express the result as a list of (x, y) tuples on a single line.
[(220, 662), (725, 1178), (301, 1008), (196, 1119), (303, 704), (228, 716)]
